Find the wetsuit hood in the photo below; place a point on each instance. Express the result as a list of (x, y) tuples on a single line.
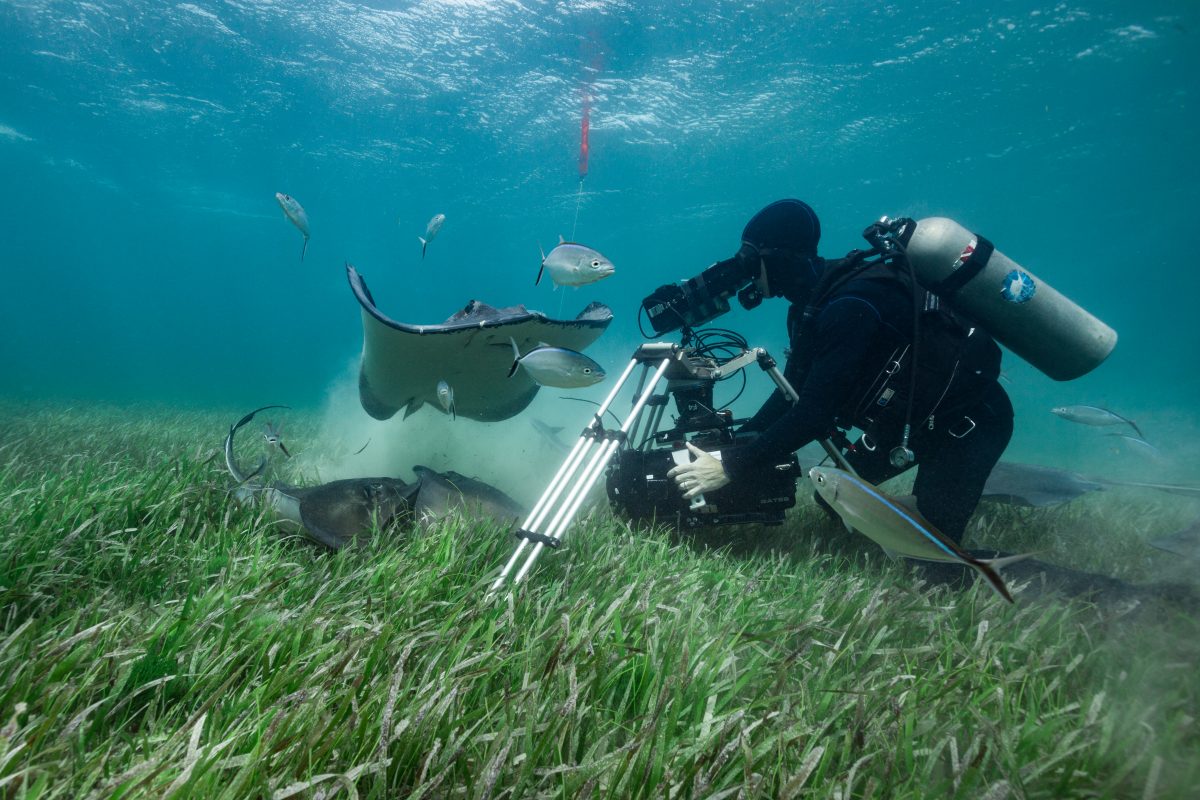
[(785, 234)]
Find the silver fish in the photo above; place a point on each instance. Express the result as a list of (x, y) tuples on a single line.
[(445, 396), (295, 212), (1093, 415), (571, 264), (271, 435), (431, 230), (1139, 445), (895, 525), (556, 366)]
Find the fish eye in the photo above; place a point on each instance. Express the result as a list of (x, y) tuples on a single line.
[(595, 262), (587, 370)]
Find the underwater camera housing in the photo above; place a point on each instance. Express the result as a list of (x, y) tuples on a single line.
[(706, 296), (636, 478)]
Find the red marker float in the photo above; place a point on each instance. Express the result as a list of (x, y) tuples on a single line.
[(583, 136), (584, 125)]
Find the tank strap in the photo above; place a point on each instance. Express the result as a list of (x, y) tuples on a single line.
[(970, 263)]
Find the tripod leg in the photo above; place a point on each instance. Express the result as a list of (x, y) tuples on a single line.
[(563, 478), (591, 474)]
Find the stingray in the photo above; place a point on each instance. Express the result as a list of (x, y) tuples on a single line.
[(1185, 542), (1033, 578), (337, 513), (332, 514), (403, 363), (445, 493), (1035, 486), (1040, 487)]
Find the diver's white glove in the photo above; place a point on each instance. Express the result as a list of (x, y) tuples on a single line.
[(705, 474)]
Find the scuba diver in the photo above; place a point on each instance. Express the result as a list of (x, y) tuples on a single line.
[(869, 349)]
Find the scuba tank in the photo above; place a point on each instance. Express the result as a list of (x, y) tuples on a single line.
[(1021, 311)]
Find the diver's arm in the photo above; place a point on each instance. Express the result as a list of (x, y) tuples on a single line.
[(843, 336), (774, 408)]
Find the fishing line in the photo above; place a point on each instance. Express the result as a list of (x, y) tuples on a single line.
[(578, 201)]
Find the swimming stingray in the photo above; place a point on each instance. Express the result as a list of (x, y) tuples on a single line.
[(1040, 487), (336, 513), (403, 363)]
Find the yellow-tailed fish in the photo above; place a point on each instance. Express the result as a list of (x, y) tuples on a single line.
[(895, 525)]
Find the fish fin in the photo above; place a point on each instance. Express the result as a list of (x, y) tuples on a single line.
[(554, 429), (890, 553), (285, 450), (453, 414), (540, 269), (516, 357), (994, 580), (414, 405), (909, 501), (304, 249), (424, 244), (1136, 428), (561, 239)]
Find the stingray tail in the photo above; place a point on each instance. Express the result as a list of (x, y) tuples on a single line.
[(231, 462), (424, 244), (304, 249), (516, 358)]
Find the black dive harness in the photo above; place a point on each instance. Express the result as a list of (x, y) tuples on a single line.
[(888, 255)]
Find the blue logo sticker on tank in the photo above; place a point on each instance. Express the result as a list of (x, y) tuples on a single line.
[(1018, 287)]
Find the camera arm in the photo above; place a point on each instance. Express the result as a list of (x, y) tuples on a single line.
[(769, 366)]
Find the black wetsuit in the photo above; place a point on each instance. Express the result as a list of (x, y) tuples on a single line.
[(833, 365)]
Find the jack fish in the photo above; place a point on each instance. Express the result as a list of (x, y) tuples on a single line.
[(895, 525), (1094, 415), (445, 396), (272, 436), (556, 366), (571, 264), (295, 212), (431, 230)]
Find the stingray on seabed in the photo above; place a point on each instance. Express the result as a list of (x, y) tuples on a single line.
[(339, 512)]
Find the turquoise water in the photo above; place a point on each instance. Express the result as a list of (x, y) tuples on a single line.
[(144, 257)]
